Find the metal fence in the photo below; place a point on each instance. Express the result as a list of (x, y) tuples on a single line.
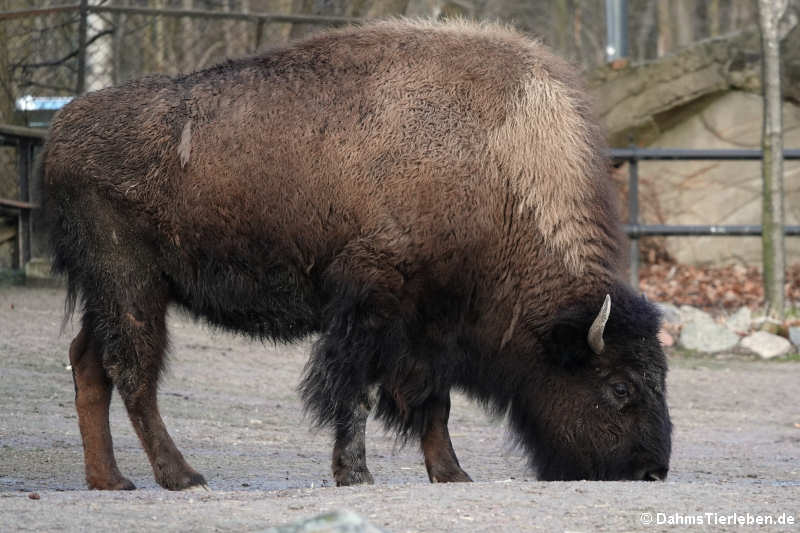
[(635, 230)]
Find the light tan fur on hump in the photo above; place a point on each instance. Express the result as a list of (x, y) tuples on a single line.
[(547, 149)]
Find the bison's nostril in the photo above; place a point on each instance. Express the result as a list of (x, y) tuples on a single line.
[(655, 474)]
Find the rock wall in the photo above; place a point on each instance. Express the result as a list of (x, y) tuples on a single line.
[(718, 192)]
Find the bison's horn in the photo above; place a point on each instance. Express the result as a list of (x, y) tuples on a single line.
[(598, 326)]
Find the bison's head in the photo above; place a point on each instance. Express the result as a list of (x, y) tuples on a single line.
[(599, 409)]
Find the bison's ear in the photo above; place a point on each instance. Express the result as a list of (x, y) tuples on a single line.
[(568, 345)]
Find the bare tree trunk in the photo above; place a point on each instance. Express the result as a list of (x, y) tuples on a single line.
[(664, 28), (647, 28), (118, 22), (682, 23), (424, 8), (382, 8), (229, 31), (713, 18), (7, 90), (189, 39), (769, 13), (337, 8)]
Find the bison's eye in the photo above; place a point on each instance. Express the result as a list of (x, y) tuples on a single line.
[(621, 390)]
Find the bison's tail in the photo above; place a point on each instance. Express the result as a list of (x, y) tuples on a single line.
[(57, 228)]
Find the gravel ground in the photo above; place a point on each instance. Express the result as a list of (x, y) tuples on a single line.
[(232, 408)]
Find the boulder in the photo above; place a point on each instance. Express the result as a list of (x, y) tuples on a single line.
[(342, 521), (766, 345), (794, 335), (701, 333), (741, 321), (669, 313)]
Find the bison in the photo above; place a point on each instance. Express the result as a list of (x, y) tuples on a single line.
[(432, 199)]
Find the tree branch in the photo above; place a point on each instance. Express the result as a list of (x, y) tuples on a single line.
[(62, 60)]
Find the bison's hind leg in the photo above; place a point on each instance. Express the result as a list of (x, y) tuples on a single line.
[(129, 311), (92, 398)]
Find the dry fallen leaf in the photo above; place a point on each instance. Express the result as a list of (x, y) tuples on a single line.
[(725, 287)]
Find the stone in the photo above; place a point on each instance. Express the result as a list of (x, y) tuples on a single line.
[(701, 333), (766, 345), (669, 313), (770, 325), (794, 335), (37, 267), (342, 521), (740, 321), (689, 313)]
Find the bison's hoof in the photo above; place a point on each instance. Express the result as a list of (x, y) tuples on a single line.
[(182, 481), (454, 475), (353, 477), (198, 488), (118, 483)]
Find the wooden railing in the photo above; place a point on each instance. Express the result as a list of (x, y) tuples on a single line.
[(26, 140)]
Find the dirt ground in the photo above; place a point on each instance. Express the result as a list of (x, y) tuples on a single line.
[(232, 408)]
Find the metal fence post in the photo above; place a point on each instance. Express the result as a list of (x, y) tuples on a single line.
[(24, 219), (633, 217), (83, 29)]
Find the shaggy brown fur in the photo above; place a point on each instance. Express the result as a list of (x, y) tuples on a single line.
[(433, 199)]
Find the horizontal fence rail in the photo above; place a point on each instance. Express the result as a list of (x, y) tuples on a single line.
[(634, 230), (13, 135), (705, 231), (681, 154)]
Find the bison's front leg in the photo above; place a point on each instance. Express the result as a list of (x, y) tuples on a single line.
[(349, 452), (440, 458)]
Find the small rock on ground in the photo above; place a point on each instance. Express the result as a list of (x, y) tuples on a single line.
[(766, 345), (343, 521), (669, 313), (794, 335), (688, 313), (701, 333), (740, 321)]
